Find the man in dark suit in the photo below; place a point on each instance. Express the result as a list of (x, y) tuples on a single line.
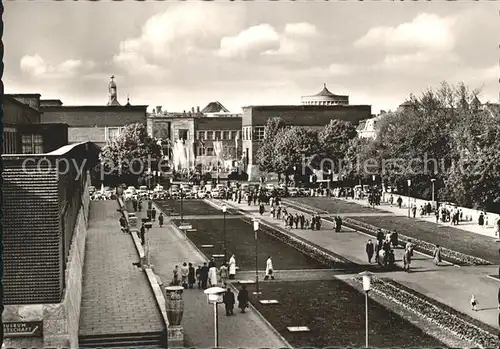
[(369, 250), (229, 301), (204, 276)]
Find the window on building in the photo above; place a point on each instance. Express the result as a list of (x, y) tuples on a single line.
[(183, 134), (210, 152), (245, 134), (258, 133), (9, 140), (217, 134), (112, 133), (202, 135), (225, 135), (238, 134), (32, 144), (201, 151), (210, 135)]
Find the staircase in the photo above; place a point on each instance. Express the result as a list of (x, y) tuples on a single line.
[(149, 340)]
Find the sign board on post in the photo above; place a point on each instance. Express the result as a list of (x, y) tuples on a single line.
[(186, 227), (23, 329)]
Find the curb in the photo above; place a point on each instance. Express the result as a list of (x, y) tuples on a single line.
[(151, 277), (259, 315)]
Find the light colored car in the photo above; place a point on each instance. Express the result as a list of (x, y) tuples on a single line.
[(195, 189), (129, 194), (215, 193), (270, 186), (201, 194), (91, 190), (293, 191)]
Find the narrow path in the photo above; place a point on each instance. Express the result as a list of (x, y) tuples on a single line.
[(116, 296)]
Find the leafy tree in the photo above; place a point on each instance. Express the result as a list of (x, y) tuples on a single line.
[(266, 156), (333, 142), (294, 147), (131, 152)]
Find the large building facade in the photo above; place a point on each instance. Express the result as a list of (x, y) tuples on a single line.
[(99, 123), (315, 112), (23, 133), (200, 130)]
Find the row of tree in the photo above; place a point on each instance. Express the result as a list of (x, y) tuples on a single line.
[(444, 136)]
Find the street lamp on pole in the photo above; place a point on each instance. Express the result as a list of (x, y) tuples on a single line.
[(409, 203), (215, 297), (433, 180), (256, 229), (224, 209), (367, 280), (182, 206)]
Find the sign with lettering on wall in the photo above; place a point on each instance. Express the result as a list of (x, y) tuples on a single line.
[(23, 329)]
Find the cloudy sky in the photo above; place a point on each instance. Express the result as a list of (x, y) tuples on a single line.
[(187, 54)]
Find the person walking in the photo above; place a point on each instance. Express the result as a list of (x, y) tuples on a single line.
[(212, 276), (243, 298), (302, 221), (437, 255), (191, 275), (414, 211), (198, 276), (261, 209), (175, 279), (369, 250), (269, 269), (153, 214), (474, 303), (480, 220), (399, 201), (204, 275), (232, 267), (142, 234), (184, 274), (223, 273), (160, 219), (228, 300)]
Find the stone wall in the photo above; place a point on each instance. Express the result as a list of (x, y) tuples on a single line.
[(60, 320)]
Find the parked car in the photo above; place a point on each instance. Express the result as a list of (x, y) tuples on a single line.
[(200, 194), (129, 194), (293, 192), (91, 190), (270, 186)]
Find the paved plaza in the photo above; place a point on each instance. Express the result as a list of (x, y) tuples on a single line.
[(447, 284), (116, 296), (169, 248)]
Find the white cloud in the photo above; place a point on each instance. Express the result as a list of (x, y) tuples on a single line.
[(301, 29), (254, 40), (263, 39), (36, 66), (182, 33), (425, 32), (33, 65), (336, 69)]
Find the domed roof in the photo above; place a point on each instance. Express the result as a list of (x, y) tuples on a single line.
[(324, 93)]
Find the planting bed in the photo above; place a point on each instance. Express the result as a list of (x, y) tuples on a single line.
[(334, 205), (191, 207), (335, 314), (454, 239), (461, 325), (240, 242)]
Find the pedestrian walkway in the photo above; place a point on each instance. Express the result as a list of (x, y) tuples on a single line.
[(447, 284), (424, 229), (472, 227), (169, 247), (116, 296)]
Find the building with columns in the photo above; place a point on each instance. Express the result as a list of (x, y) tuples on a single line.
[(325, 97), (94, 123)]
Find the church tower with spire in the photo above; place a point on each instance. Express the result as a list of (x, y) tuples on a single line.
[(113, 96)]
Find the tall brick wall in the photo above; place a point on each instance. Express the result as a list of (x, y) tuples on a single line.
[(33, 265), (87, 134), (15, 113)]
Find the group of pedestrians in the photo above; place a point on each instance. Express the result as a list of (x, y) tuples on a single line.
[(209, 275)]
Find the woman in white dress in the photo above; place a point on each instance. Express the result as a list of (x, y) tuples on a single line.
[(212, 276), (232, 267), (269, 269)]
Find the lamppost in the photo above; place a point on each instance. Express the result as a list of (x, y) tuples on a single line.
[(224, 209), (256, 229), (409, 185), (433, 180), (215, 295), (367, 279), (181, 191)]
